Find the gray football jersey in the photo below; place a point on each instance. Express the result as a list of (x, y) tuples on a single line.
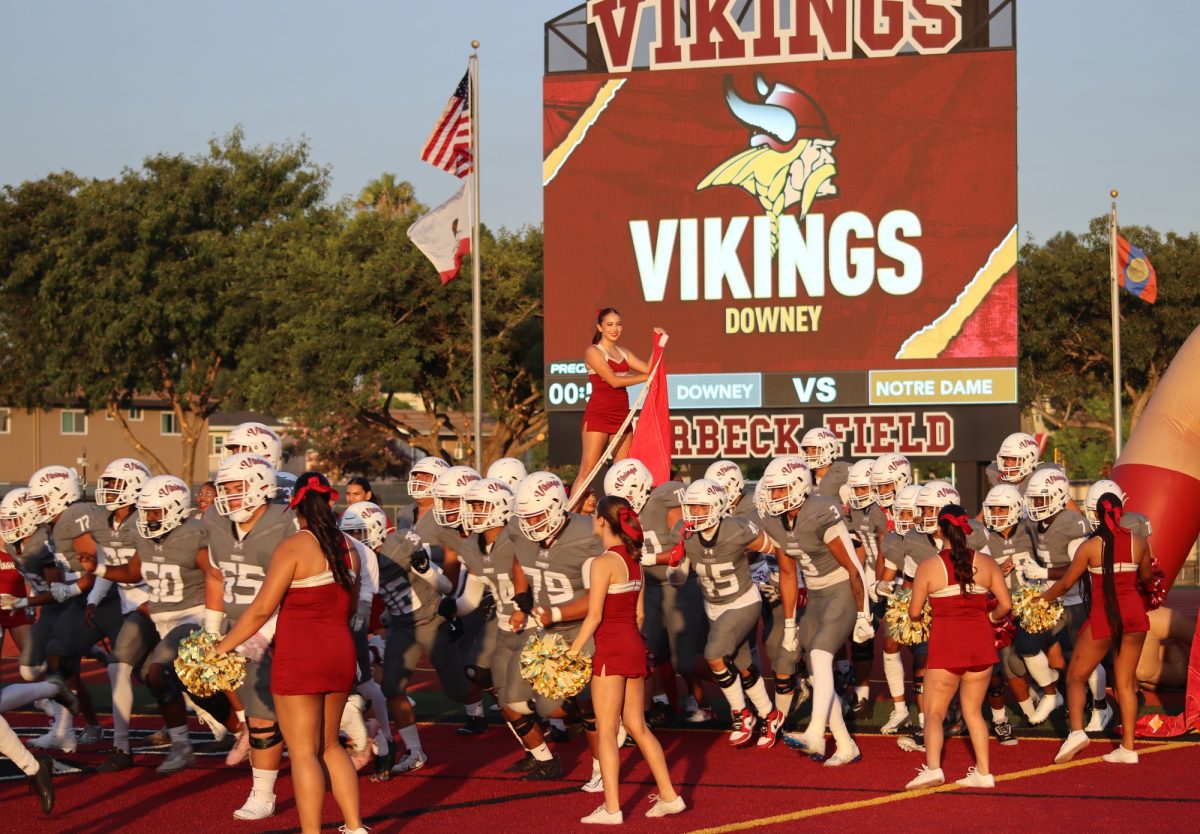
[(869, 524), (1054, 537), (892, 551), (169, 567), (832, 481), (660, 535), (494, 567), (804, 541), (558, 574), (32, 558), (410, 601), (118, 543), (435, 537), (1137, 524), (1017, 547), (244, 561), (722, 564), (918, 547), (77, 519)]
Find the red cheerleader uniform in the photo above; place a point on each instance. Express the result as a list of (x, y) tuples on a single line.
[(961, 638), (607, 407), (1129, 601), (620, 649), (12, 582), (314, 651)]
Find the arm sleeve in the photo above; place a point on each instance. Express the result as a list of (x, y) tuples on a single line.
[(472, 593), (99, 590)]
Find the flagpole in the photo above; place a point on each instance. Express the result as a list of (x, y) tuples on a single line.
[(1116, 323), (476, 347)]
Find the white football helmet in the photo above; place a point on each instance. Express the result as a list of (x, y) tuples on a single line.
[(1002, 507), (119, 483), (787, 482), (509, 470), (933, 496), (1046, 493), (904, 509), (162, 505), (1092, 500), (365, 521), (52, 489), (424, 474), (703, 504), (489, 504), (246, 479), (760, 499), (1017, 458), (820, 447), (17, 521), (541, 505), (729, 475), (256, 438), (859, 482), (448, 492), (629, 479), (890, 474)]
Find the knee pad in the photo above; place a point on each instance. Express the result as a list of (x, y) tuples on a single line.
[(522, 726), (727, 677), (997, 690), (862, 652), (33, 673), (919, 684), (480, 676), (785, 686), (752, 676), (264, 738)]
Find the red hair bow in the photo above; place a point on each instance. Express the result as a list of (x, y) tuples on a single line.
[(313, 484)]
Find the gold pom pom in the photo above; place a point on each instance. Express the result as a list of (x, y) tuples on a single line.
[(204, 670), (550, 670), (903, 629), (1035, 614)]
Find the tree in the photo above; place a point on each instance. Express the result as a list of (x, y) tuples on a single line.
[(1066, 336), (388, 197), (146, 282)]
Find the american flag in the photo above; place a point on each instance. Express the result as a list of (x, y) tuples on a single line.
[(449, 145)]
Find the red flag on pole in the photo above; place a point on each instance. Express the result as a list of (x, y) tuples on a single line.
[(1135, 271), (652, 433)]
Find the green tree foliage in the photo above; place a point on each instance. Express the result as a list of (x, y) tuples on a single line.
[(389, 197), (1066, 336)]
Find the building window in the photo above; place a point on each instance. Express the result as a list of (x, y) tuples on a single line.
[(169, 423), (137, 415), (216, 444), (5, 420), (73, 422)]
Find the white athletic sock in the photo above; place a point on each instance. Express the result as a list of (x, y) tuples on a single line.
[(862, 692), (1039, 669), (893, 673), (542, 753), (18, 695), (372, 692), (120, 676), (999, 716), (1027, 707), (837, 725), (241, 714), (823, 697), (179, 735), (921, 720), (411, 738), (784, 701), (352, 722), (11, 746), (64, 724), (264, 781), (1098, 683), (757, 693), (595, 767), (735, 695), (475, 710)]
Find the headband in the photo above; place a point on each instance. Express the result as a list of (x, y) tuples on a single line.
[(959, 521), (313, 484), (1112, 516)]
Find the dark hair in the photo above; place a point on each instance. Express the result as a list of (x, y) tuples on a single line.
[(954, 524), (311, 501), (600, 314), (619, 515), (1109, 509), (211, 484), (361, 481)]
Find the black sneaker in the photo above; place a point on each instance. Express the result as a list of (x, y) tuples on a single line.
[(521, 765), (1004, 733), (41, 784), (63, 694), (543, 771), (222, 745), (117, 759), (658, 714), (956, 728), (474, 726), (864, 710), (557, 736), (384, 763)]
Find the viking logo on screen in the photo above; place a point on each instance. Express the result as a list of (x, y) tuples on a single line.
[(789, 166)]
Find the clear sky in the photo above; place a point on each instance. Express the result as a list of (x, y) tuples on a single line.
[(1107, 94)]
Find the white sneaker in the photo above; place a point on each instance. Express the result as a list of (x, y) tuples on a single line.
[(842, 757), (975, 779), (690, 704), (897, 721), (91, 734), (1076, 741), (743, 728), (665, 809), (1046, 708), (622, 735), (363, 830), (700, 715), (47, 706), (813, 748), (258, 807), (1122, 755), (1100, 720), (594, 785), (218, 730), (927, 778), (180, 758), (413, 760), (63, 741), (601, 816)]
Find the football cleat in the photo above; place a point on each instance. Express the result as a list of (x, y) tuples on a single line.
[(117, 759), (158, 738), (814, 749), (521, 765), (413, 760), (557, 735), (913, 741), (180, 758), (658, 714), (41, 784), (701, 715), (1004, 733), (63, 741), (257, 807), (770, 730), (897, 721), (384, 763), (842, 757), (743, 728), (1100, 720), (1046, 708), (543, 771), (475, 725), (927, 778), (91, 734), (63, 696)]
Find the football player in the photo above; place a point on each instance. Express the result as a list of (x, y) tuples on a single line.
[(868, 523), (509, 470), (255, 438), (821, 451), (903, 506)]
